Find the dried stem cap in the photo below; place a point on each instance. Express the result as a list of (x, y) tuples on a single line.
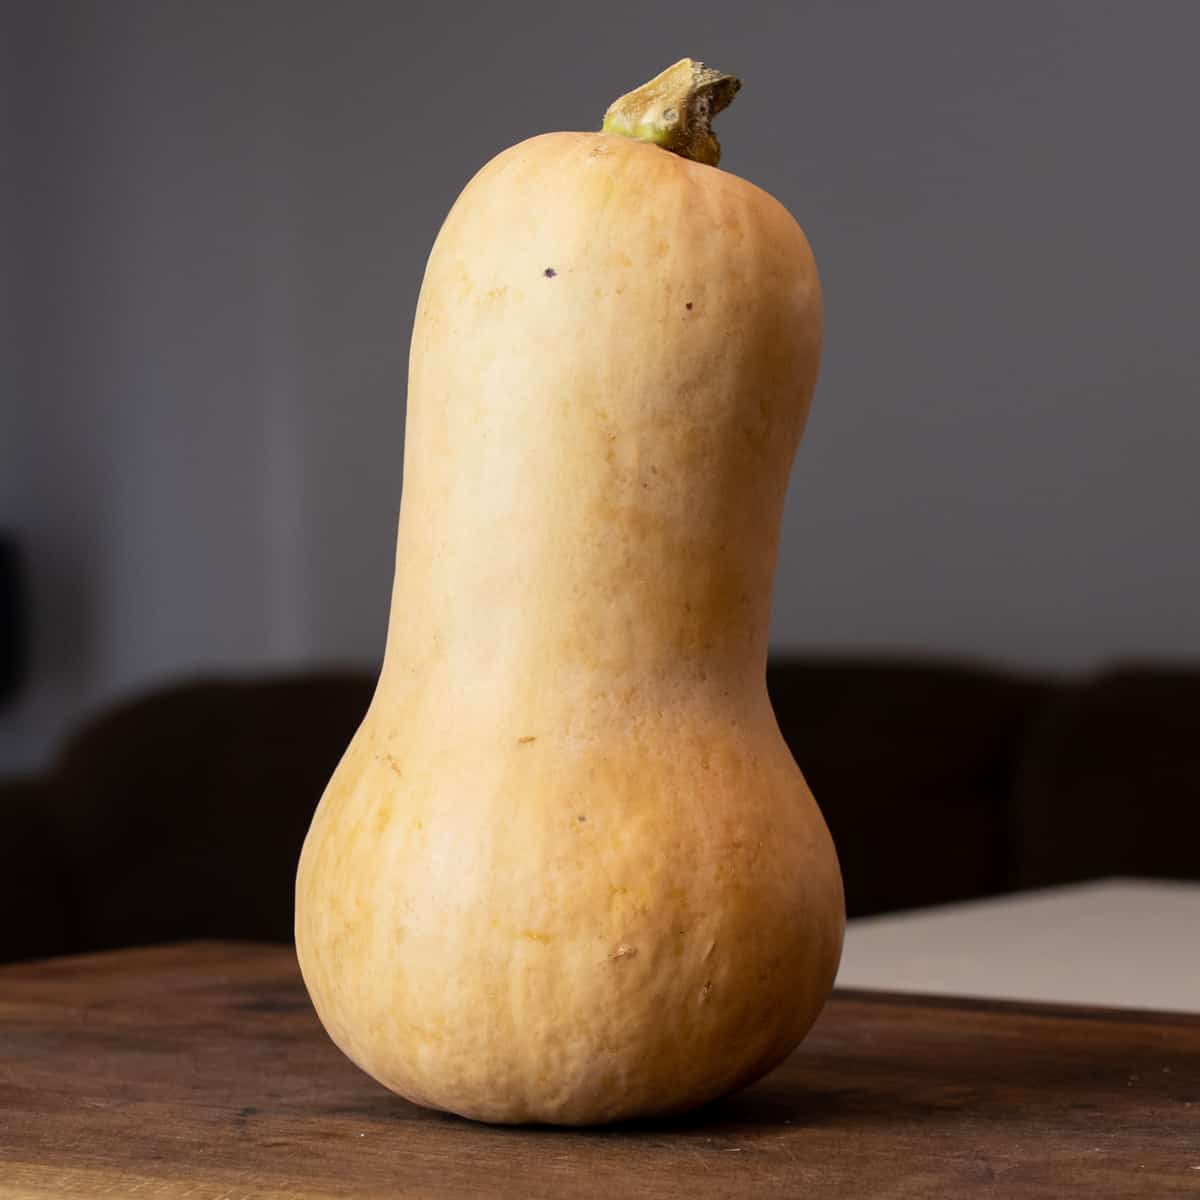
[(675, 110)]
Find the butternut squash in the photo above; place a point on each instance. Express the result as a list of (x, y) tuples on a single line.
[(567, 870)]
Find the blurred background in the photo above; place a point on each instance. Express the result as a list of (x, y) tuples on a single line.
[(215, 221)]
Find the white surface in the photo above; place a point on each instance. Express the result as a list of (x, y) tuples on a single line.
[(1118, 942)]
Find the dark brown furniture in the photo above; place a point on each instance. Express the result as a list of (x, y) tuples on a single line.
[(200, 1071), (180, 813)]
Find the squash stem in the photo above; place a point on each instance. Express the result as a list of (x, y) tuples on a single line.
[(675, 110)]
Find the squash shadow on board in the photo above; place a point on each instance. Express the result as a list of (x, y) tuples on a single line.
[(934, 1064)]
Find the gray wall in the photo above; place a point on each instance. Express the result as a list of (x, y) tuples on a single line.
[(224, 214)]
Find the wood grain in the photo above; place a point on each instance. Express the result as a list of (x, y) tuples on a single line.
[(200, 1071)]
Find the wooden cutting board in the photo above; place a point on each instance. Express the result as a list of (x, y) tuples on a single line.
[(200, 1071)]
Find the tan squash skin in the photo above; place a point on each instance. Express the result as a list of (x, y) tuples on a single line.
[(567, 870)]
